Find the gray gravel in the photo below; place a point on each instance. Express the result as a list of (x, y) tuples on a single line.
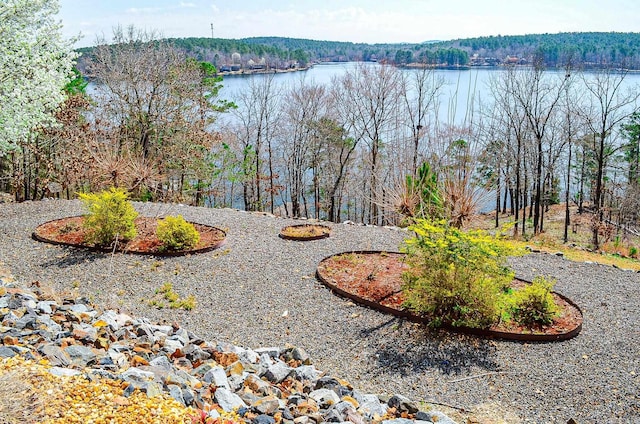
[(259, 290)]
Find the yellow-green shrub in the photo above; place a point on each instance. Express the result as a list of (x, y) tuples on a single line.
[(177, 234), (455, 277), (534, 303), (110, 216)]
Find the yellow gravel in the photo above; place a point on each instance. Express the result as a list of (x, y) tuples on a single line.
[(35, 395)]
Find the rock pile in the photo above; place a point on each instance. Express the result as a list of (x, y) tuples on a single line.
[(264, 386)]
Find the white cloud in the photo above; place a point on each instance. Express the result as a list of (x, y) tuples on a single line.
[(349, 20)]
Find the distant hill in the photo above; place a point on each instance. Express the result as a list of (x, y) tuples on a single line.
[(612, 49), (588, 49)]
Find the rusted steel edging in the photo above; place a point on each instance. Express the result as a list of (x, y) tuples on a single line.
[(414, 317), (167, 253)]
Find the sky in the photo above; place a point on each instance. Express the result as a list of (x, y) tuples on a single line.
[(367, 21)]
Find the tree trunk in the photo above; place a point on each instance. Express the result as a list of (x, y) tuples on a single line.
[(566, 197)]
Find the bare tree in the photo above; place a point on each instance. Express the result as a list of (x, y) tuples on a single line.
[(421, 90), (304, 105), (538, 95), (608, 104), (372, 93), (155, 106), (257, 118), (512, 119)]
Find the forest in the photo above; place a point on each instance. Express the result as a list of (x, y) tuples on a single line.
[(368, 147), (577, 49)]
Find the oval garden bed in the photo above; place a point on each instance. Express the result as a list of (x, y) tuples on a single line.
[(305, 232), (70, 232), (374, 279)]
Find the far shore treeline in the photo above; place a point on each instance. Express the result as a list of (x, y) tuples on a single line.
[(582, 49)]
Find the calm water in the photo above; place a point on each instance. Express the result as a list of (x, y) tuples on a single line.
[(463, 89)]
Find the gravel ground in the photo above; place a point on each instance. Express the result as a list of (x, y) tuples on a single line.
[(259, 290)]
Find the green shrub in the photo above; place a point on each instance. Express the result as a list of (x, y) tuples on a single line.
[(110, 216), (455, 278), (534, 304), (177, 234), (166, 293)]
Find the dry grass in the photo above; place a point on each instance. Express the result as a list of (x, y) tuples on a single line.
[(615, 251), (18, 400), (306, 230)]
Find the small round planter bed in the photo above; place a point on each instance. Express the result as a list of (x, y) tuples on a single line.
[(70, 232), (305, 232), (374, 279)]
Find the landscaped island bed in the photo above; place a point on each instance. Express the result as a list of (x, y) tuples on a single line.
[(259, 290)]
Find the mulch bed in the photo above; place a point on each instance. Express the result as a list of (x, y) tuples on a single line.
[(374, 279), (305, 232), (70, 232)]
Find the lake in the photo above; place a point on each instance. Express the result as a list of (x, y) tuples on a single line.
[(463, 88)]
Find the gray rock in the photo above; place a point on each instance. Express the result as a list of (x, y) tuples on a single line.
[(95, 373), (110, 317), (277, 372), (153, 389), (137, 377), (249, 355), (202, 369), (327, 383), (299, 354), (119, 347), (398, 421), (160, 361), (63, 372), (181, 378), (45, 306), (195, 353), (118, 358), (180, 335), (248, 397), (423, 416), (333, 416), (188, 396), (165, 330), (256, 384), (306, 373), (324, 398), (79, 308), (266, 405), (176, 393), (236, 381), (15, 302), (370, 405), (343, 408), (403, 404), (52, 327), (218, 377), (213, 414), (80, 354), (263, 419), (228, 400), (171, 345), (90, 332), (7, 352), (273, 352), (26, 321), (439, 417), (56, 355)]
